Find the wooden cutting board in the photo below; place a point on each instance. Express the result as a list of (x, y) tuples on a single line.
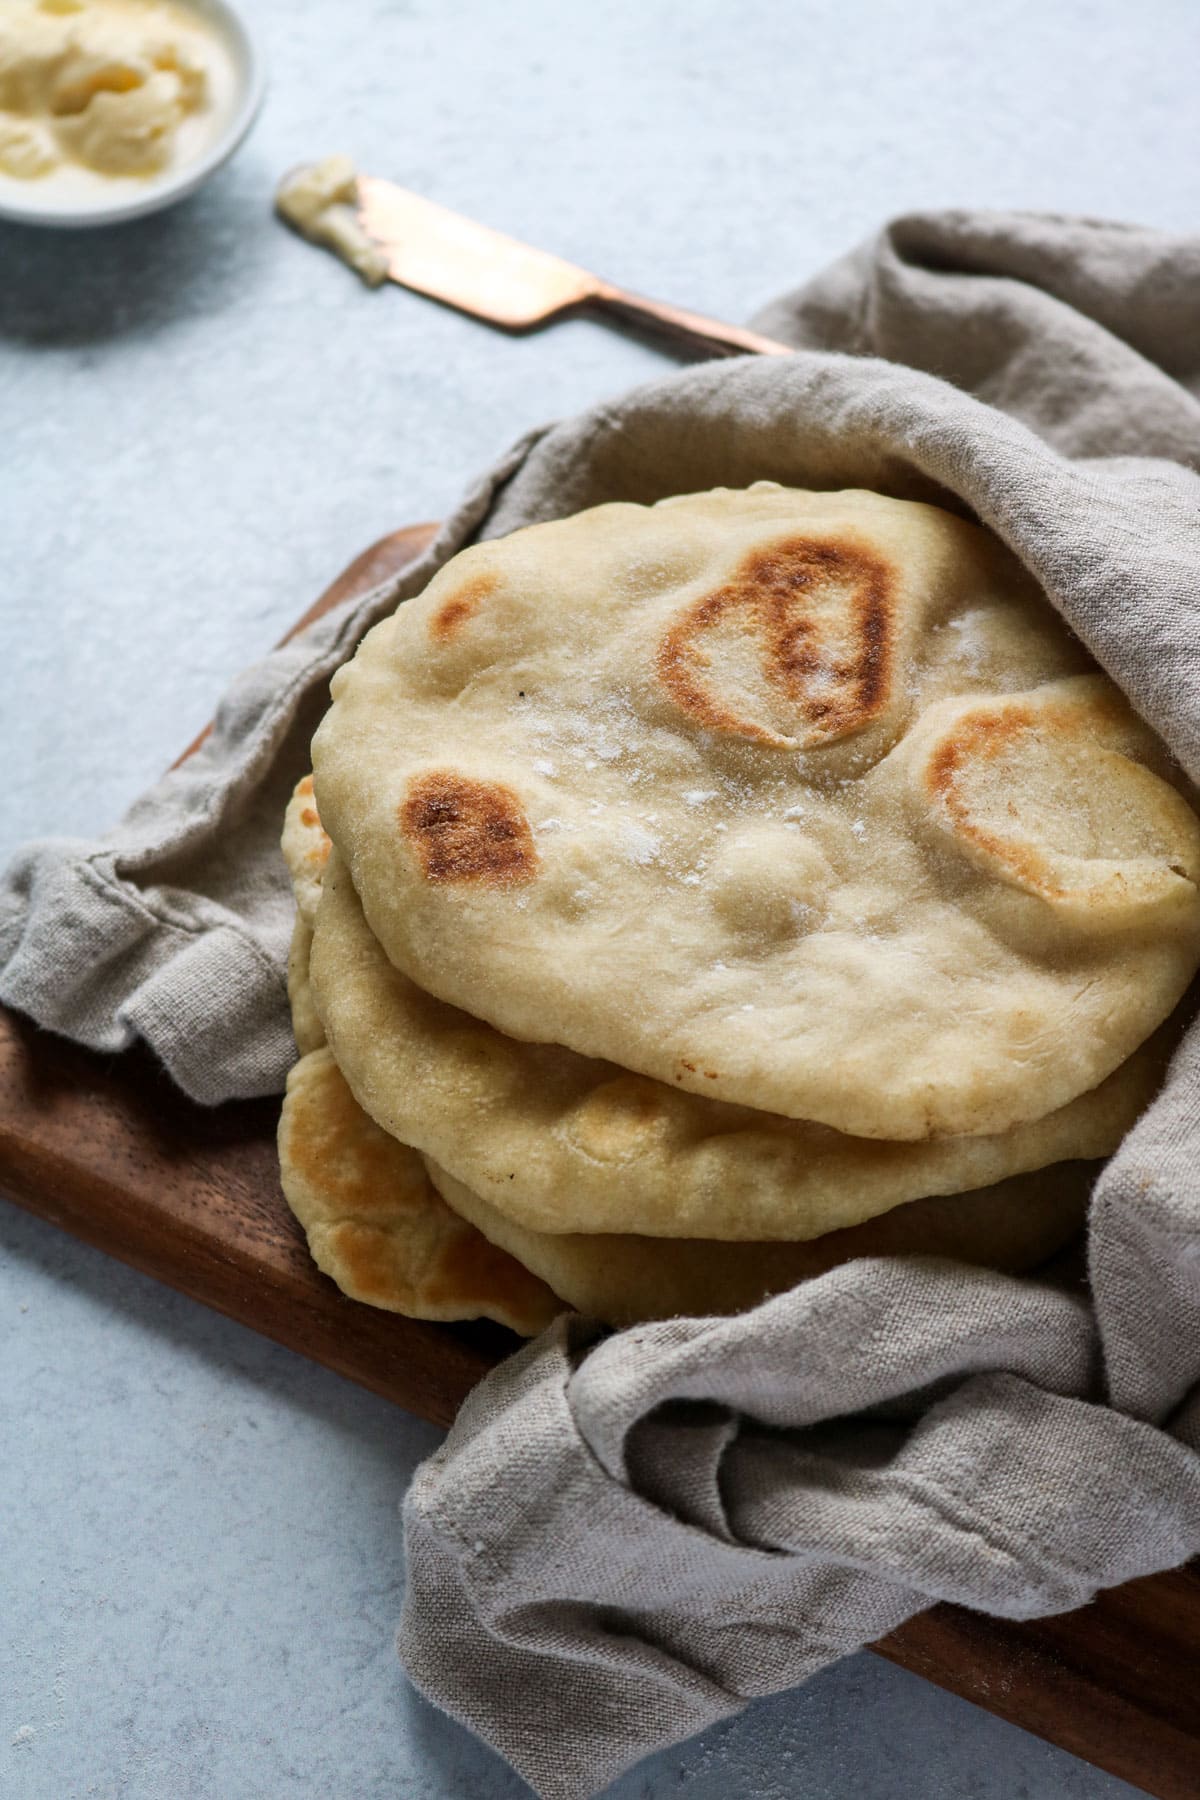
[(107, 1149)]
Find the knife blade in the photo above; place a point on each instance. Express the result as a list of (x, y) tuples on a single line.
[(469, 266)]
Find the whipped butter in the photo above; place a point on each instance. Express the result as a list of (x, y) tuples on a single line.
[(101, 92), (320, 200)]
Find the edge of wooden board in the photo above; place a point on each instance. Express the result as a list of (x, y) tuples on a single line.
[(109, 1150)]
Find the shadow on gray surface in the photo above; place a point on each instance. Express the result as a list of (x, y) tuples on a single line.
[(452, 1754), (77, 287)]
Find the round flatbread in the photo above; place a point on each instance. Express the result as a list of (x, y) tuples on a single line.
[(380, 1230), (805, 802), (562, 1143), (624, 1279)]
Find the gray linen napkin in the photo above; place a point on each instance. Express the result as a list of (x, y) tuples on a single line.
[(625, 1537)]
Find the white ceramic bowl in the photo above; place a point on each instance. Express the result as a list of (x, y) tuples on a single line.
[(20, 200)]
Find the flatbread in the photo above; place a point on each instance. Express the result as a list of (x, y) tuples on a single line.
[(689, 788), (376, 1225), (377, 1222), (625, 1279), (374, 1222), (561, 1143)]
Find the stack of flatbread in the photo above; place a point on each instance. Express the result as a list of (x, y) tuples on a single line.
[(695, 896)]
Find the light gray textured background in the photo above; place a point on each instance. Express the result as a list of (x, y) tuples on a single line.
[(202, 420)]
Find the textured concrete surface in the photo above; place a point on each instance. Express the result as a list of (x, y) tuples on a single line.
[(203, 420)]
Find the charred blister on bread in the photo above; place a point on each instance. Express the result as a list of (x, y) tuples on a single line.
[(822, 614), (1047, 792), (464, 830)]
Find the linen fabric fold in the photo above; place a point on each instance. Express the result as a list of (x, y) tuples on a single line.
[(173, 928), (626, 1537)]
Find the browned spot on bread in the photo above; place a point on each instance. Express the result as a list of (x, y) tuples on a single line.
[(380, 1225), (471, 1272), (464, 830), (453, 613), (317, 852), (365, 1259), (337, 1149), (981, 737), (831, 663), (316, 849), (439, 1262)]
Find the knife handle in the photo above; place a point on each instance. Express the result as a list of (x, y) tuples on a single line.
[(690, 330)]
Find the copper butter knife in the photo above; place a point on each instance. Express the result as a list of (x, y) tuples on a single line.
[(482, 272)]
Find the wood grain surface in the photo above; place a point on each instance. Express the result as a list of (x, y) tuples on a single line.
[(107, 1149), (110, 1150)]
